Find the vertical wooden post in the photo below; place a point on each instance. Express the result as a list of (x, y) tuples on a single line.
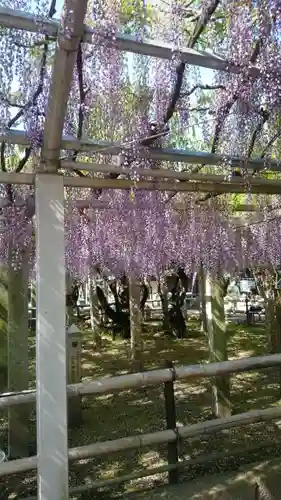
[(202, 286), (278, 330), (208, 305), (270, 322), (94, 310), (215, 319), (18, 376), (171, 420), (3, 329), (69, 302), (218, 351), (51, 361), (256, 491), (135, 323), (32, 319)]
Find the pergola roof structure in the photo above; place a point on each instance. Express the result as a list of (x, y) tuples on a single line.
[(49, 188), (53, 140)]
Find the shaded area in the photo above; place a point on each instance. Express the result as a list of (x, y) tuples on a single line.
[(261, 479), (131, 412)]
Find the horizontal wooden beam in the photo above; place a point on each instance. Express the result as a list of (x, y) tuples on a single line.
[(236, 185), (24, 21), (160, 154), (159, 173), (263, 186), (154, 377), (15, 178), (106, 448)]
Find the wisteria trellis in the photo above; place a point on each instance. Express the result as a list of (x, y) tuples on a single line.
[(140, 100)]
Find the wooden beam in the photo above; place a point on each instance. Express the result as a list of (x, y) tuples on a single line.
[(17, 19), (159, 173), (18, 373), (106, 448), (154, 377), (161, 154), (265, 186), (135, 323), (69, 38), (221, 405), (218, 184)]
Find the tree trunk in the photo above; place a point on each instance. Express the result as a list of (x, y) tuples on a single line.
[(135, 323), (270, 324), (215, 318), (18, 376), (163, 293), (94, 312)]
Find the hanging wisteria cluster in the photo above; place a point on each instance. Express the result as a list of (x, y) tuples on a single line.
[(145, 237), (248, 103), (138, 101)]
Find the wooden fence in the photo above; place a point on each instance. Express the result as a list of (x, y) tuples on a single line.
[(171, 436)]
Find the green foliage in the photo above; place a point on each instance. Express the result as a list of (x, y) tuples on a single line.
[(236, 199), (134, 14)]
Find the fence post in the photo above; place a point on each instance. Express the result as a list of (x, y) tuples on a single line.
[(171, 421)]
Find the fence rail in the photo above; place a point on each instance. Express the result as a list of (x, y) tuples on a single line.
[(152, 377), (151, 439)]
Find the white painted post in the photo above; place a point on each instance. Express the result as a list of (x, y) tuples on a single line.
[(51, 361)]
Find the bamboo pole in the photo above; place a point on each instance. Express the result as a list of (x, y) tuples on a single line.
[(74, 490), (152, 439), (153, 377), (211, 459)]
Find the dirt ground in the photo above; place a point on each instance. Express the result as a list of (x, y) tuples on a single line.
[(132, 412), (260, 481)]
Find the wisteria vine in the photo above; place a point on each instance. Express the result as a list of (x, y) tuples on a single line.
[(140, 102)]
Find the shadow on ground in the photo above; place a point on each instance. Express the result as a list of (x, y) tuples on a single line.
[(139, 411)]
